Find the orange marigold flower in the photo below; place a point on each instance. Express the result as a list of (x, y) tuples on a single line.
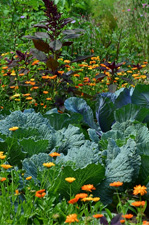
[(138, 203), (45, 92), (35, 62), (6, 166), (97, 216), (2, 179), (29, 98), (127, 216), (71, 218), (116, 184), (122, 221), (139, 190), (70, 179), (48, 164), (29, 178), (17, 192), (145, 222), (54, 154), (88, 187), (81, 195), (48, 99), (72, 201), (13, 128), (40, 193)]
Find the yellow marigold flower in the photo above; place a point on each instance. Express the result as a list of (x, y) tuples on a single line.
[(54, 154), (1, 153), (2, 156), (13, 73), (29, 178), (70, 179), (129, 71), (88, 187), (139, 190), (6, 166), (95, 199), (2, 179), (13, 128), (87, 199), (48, 164), (71, 218), (138, 203), (66, 61), (116, 184)]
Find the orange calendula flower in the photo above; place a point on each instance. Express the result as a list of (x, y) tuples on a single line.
[(45, 92), (48, 164), (127, 216), (72, 201), (139, 190), (35, 62), (48, 99), (6, 166), (29, 178), (122, 221), (138, 203), (54, 154), (97, 216), (145, 222), (2, 179), (40, 193), (116, 184), (17, 192), (71, 218), (88, 187), (13, 128), (81, 195), (70, 179)]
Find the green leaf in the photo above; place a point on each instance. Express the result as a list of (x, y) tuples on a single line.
[(14, 151), (105, 113), (140, 95), (131, 112), (79, 105), (34, 147), (91, 174)]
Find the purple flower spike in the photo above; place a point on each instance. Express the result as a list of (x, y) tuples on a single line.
[(22, 17), (128, 10)]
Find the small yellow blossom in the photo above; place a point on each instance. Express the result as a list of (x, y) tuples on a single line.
[(48, 164), (6, 166), (13, 128), (29, 178), (70, 179)]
